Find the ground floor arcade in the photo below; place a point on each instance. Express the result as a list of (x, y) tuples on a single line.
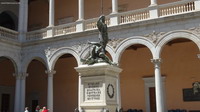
[(178, 64)]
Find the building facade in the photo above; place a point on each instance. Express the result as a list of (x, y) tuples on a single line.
[(155, 42)]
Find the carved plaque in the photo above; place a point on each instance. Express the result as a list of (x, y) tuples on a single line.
[(93, 91)]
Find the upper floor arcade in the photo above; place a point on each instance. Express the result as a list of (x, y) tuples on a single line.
[(40, 19)]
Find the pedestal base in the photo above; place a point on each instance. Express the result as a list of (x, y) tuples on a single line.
[(98, 90)]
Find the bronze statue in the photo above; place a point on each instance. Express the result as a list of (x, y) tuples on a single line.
[(98, 48)]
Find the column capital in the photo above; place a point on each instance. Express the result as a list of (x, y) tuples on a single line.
[(156, 62), (50, 73), (20, 76)]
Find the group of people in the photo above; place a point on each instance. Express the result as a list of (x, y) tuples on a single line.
[(37, 109)]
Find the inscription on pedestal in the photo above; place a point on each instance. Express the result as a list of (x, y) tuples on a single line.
[(93, 91)]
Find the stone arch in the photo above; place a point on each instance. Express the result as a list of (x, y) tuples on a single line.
[(59, 52), (85, 53), (13, 60), (9, 20), (131, 41), (175, 35), (41, 58)]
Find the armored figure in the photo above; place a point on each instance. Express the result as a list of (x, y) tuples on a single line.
[(98, 48)]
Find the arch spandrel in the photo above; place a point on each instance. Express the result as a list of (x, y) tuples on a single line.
[(28, 58), (131, 41), (56, 54), (175, 35), (14, 61)]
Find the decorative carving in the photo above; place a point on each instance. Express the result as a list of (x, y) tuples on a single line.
[(154, 36), (20, 76), (156, 62), (50, 73), (49, 51), (110, 91), (195, 30), (115, 42), (79, 47)]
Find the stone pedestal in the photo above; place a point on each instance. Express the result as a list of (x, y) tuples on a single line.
[(98, 89)]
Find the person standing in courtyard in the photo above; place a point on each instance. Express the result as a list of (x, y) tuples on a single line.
[(44, 109), (26, 109), (37, 109)]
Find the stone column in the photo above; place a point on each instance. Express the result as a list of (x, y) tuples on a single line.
[(23, 90), (50, 74), (51, 13), (153, 2), (20, 91), (158, 86), (80, 10), (114, 6), (23, 19), (17, 92)]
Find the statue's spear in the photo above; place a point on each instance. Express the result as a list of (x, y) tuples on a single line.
[(101, 7)]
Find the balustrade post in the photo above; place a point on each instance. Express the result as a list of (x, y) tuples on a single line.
[(50, 32), (80, 26), (114, 19), (153, 11), (197, 4)]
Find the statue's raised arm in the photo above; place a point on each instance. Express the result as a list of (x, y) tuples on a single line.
[(102, 27)]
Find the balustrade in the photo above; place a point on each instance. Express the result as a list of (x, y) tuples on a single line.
[(7, 33), (64, 29), (37, 34), (174, 8), (133, 16)]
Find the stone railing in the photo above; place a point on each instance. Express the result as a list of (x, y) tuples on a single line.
[(133, 16), (64, 29), (92, 23), (7, 33), (144, 14), (176, 7), (37, 34)]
